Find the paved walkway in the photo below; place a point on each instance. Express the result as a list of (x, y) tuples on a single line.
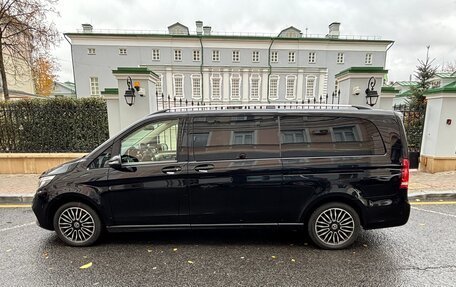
[(26, 184)]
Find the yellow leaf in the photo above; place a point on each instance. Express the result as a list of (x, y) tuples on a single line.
[(190, 262), (85, 266), (292, 260), (174, 249), (149, 250), (273, 257)]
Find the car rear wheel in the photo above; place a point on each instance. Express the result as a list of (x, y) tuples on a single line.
[(77, 224), (334, 225)]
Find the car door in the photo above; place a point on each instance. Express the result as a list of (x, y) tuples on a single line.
[(149, 188), (234, 170)]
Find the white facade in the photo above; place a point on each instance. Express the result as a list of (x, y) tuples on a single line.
[(219, 68)]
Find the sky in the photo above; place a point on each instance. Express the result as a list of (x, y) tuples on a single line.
[(412, 25)]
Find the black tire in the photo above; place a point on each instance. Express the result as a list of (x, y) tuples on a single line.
[(337, 234), (81, 232)]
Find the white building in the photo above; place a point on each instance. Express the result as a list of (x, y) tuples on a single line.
[(224, 67)]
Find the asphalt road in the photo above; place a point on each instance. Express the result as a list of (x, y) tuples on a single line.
[(421, 253)]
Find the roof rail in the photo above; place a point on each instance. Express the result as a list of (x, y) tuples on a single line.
[(263, 106)]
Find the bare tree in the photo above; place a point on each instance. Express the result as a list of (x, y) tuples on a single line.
[(449, 67), (24, 32)]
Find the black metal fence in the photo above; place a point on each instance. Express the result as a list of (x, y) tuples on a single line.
[(169, 102), (53, 125), (413, 119)]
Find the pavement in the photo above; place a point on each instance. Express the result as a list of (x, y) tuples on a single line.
[(20, 188), (420, 253)]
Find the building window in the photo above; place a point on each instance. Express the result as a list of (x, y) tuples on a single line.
[(216, 87), (368, 60), (291, 57), (159, 85), (94, 87), (255, 87), (340, 58), (273, 87), (236, 57), (255, 56), (274, 57), (312, 58), (215, 55), (236, 87), (179, 86), (122, 51), (196, 87), (310, 87), (91, 51), (239, 138), (196, 55), (291, 88), (177, 55), (155, 55)]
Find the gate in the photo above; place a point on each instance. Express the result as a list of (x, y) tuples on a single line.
[(413, 119)]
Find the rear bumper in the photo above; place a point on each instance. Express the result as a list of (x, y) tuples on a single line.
[(394, 214)]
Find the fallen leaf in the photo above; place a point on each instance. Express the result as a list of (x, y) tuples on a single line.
[(292, 260), (365, 245), (149, 250), (190, 262), (9, 250), (85, 256), (422, 224), (85, 266), (273, 257), (242, 257), (174, 249), (417, 199), (153, 268), (96, 283)]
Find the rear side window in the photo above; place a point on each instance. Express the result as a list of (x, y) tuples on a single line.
[(235, 137), (328, 136)]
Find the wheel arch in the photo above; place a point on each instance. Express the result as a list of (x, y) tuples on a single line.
[(70, 197), (342, 198)]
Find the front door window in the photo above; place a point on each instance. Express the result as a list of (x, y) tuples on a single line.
[(151, 143)]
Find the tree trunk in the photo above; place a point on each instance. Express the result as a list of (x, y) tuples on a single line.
[(3, 75)]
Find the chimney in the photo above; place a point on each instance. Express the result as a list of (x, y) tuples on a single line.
[(199, 28), (87, 28), (207, 30), (334, 30)]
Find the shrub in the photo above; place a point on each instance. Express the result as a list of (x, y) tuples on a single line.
[(53, 125)]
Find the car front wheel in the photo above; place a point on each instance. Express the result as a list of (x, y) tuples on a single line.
[(334, 225), (77, 224)]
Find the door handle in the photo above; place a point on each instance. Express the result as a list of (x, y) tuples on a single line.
[(204, 167), (171, 169)]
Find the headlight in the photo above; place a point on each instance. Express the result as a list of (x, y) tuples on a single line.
[(45, 180)]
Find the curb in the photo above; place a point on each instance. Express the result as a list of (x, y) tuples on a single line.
[(14, 199), (433, 195), (413, 196)]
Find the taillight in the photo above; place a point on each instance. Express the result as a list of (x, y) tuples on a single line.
[(405, 173)]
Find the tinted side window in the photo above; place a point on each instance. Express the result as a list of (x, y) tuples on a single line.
[(328, 136), (156, 141), (235, 137), (102, 160)]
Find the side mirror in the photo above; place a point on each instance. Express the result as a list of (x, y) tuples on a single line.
[(115, 162)]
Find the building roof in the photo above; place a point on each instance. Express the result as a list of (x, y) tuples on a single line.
[(389, 89), (449, 88), (67, 85), (360, 70), (407, 83), (445, 75)]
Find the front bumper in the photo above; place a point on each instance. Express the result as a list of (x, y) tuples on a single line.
[(40, 207)]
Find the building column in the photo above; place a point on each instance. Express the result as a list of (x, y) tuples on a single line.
[(321, 87), (299, 85), (245, 85), (169, 83), (206, 85), (264, 89), (226, 85)]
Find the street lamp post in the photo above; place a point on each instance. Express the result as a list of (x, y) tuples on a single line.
[(130, 93)]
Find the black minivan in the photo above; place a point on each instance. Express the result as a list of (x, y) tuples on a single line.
[(331, 170)]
